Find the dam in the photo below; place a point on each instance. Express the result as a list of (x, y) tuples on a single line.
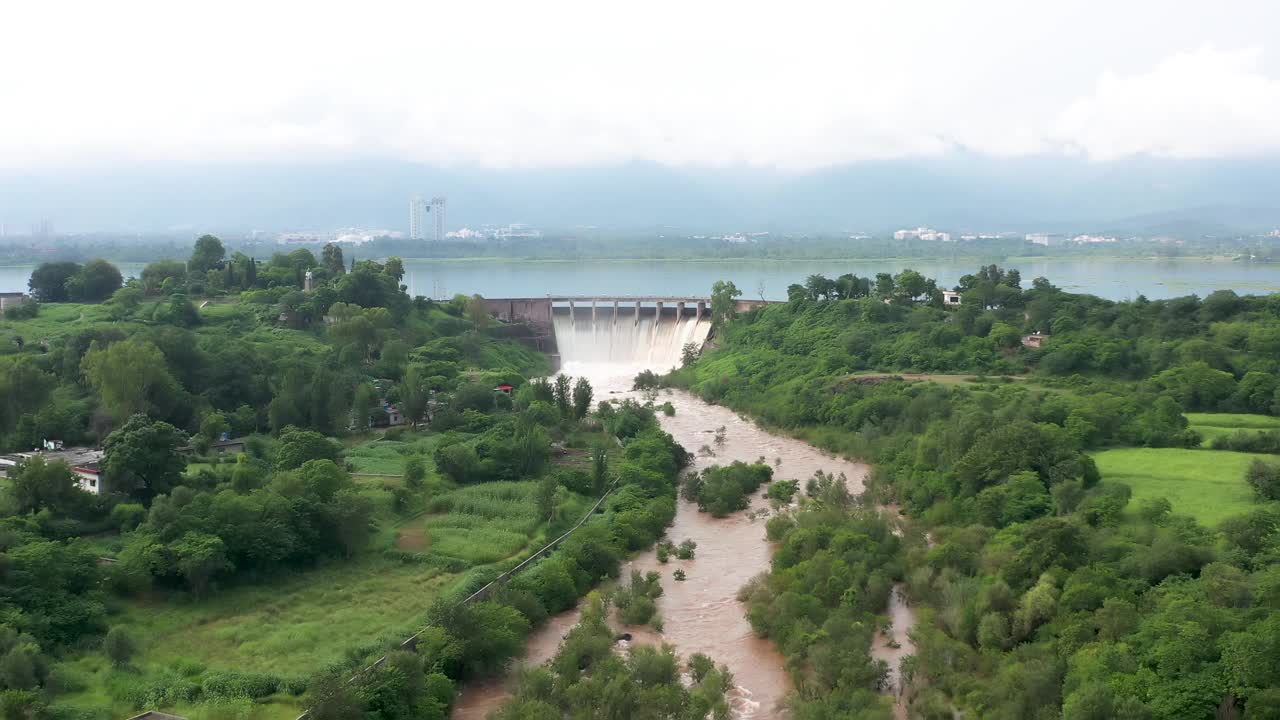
[(642, 332)]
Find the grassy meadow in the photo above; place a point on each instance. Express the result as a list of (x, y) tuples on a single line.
[(1215, 425), (301, 622), (1206, 484)]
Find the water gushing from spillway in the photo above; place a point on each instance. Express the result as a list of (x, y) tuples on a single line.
[(650, 338)]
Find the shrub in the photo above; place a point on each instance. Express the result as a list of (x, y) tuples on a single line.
[(664, 551), (127, 516), (1264, 478), (119, 645), (783, 490), (686, 550), (236, 685)]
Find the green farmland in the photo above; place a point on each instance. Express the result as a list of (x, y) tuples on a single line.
[(1206, 484)]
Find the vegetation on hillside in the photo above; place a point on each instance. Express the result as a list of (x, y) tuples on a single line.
[(1056, 582), (254, 584)]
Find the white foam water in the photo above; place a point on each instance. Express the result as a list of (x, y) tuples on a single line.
[(599, 336)]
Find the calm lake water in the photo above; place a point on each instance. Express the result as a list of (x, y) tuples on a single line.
[(1117, 279)]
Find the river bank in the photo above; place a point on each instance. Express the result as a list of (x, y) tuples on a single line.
[(703, 614)]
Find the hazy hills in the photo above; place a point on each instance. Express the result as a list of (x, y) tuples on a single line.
[(958, 192)]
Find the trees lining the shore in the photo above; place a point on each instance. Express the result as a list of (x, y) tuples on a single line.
[(1045, 591)]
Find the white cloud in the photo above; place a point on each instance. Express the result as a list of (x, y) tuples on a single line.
[(794, 85), (1206, 103)]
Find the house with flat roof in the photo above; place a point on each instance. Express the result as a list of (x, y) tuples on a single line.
[(85, 463), (1034, 340)]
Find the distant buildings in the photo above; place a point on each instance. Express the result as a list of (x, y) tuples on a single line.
[(1039, 238), (1092, 239), (11, 300), (516, 230), (950, 298), (84, 462), (1034, 340), (420, 228), (922, 233), (418, 209)]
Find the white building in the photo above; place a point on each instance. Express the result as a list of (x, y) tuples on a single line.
[(83, 461), (418, 209), (437, 206), (923, 233)]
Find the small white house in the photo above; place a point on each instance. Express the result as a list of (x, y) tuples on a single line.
[(950, 298)]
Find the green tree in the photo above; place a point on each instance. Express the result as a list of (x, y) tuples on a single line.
[(599, 467), (478, 312), (207, 254), (415, 393), (144, 457), (366, 399), (394, 267), (724, 302), (95, 282), (459, 463), (200, 557), (37, 484), (582, 394), (157, 275), (564, 395), (911, 285), (415, 472), (131, 377), (48, 282), (212, 425), (124, 302), (1197, 386), (1264, 478), (298, 446), (353, 519), (119, 646), (331, 260)]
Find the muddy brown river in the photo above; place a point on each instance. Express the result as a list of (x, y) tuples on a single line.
[(703, 614)]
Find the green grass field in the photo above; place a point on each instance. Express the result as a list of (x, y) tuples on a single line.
[(303, 621), (1206, 484), (1234, 421), (291, 627), (378, 456), (1214, 425)]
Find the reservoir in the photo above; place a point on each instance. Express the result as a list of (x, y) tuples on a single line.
[(1112, 278)]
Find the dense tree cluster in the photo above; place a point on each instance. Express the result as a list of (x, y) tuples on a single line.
[(1044, 591), (588, 678), (721, 490), (94, 281), (831, 576), (464, 641)]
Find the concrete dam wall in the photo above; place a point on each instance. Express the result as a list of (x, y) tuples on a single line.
[(634, 336), (645, 332)]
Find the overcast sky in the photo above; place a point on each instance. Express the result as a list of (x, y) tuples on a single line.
[(792, 85)]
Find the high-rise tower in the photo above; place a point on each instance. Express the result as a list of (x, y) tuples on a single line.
[(418, 209), (437, 205)]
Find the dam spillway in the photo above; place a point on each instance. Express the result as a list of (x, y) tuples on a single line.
[(634, 334)]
